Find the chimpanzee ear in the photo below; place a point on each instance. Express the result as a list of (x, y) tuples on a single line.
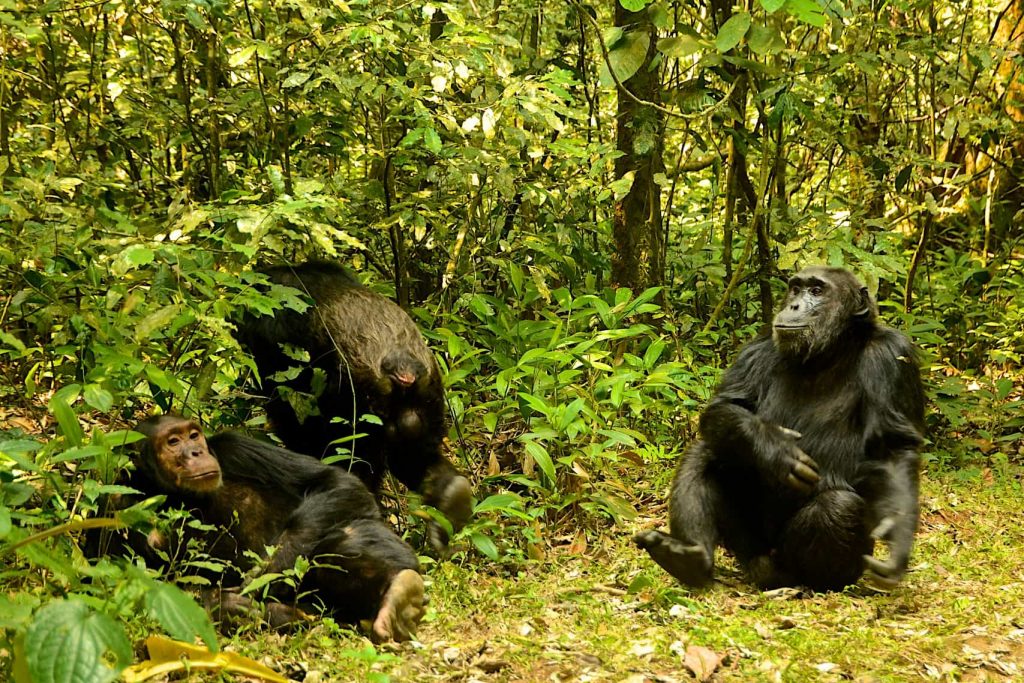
[(867, 304)]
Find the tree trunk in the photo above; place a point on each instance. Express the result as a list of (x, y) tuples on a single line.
[(639, 258)]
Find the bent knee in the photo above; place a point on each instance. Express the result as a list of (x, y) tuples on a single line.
[(826, 540)]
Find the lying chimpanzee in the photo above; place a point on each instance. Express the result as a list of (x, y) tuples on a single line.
[(259, 495), (808, 451), (373, 360)]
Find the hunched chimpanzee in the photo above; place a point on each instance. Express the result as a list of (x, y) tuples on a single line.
[(372, 359), (257, 495), (808, 450)]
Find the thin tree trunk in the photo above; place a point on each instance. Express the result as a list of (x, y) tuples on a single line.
[(639, 258)]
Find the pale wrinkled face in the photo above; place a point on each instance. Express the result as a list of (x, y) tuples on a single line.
[(819, 306), (183, 458)]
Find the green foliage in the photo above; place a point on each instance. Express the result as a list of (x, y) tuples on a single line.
[(151, 154), (573, 388)]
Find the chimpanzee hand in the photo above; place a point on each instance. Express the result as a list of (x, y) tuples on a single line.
[(884, 574), (800, 471), (456, 502)]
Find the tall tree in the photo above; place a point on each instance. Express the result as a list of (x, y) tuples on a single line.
[(639, 258)]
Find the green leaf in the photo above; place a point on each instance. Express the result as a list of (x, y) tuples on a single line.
[(543, 460), (295, 79), (764, 40), (497, 502), (679, 46), (807, 11), (732, 32), (484, 544), (772, 6), (242, 56), (612, 36), (98, 397), (138, 255), (432, 140), (634, 5), (653, 353), (66, 418), (157, 320), (622, 186), (626, 57), (69, 643), (179, 614)]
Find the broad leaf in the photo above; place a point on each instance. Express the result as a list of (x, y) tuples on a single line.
[(679, 46), (626, 57), (732, 32), (69, 643), (179, 614), (807, 11)]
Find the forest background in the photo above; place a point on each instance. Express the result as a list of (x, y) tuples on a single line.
[(587, 207)]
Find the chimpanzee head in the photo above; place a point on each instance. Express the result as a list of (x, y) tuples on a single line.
[(404, 370), (822, 305), (175, 456)]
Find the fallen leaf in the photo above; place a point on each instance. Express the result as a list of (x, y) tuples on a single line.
[(168, 656), (701, 661)]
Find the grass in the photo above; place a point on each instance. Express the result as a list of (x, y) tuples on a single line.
[(609, 614)]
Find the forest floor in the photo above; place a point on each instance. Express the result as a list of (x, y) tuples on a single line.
[(608, 614)]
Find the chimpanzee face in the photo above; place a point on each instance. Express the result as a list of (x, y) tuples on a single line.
[(819, 306), (181, 458)]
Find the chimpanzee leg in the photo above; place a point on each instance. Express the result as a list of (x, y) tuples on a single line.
[(361, 568), (427, 471), (364, 571), (688, 552), (823, 545)]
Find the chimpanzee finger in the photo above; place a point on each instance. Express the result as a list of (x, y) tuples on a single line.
[(881, 575), (790, 432), (805, 474), (807, 460), (881, 531), (800, 485)]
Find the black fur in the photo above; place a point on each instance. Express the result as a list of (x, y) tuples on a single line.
[(272, 497), (365, 346), (804, 506)]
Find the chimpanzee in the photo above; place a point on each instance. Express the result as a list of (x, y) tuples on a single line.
[(373, 359), (257, 495), (808, 450)]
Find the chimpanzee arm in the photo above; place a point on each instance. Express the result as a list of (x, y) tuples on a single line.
[(735, 432), (891, 492), (268, 465), (894, 433)]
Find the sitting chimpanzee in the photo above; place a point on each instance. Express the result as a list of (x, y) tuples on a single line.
[(808, 451), (373, 359), (258, 495)]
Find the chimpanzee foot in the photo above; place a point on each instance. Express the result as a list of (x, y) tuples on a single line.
[(456, 502), (765, 574), (401, 609), (284, 617), (688, 564)]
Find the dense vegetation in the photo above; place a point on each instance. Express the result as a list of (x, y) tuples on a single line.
[(586, 208)]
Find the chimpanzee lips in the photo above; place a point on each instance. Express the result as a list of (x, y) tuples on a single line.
[(204, 475)]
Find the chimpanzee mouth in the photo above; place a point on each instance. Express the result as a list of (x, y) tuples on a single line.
[(790, 328), (205, 475)]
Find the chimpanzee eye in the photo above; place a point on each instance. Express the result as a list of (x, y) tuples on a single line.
[(173, 441), (816, 291), (193, 435)]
